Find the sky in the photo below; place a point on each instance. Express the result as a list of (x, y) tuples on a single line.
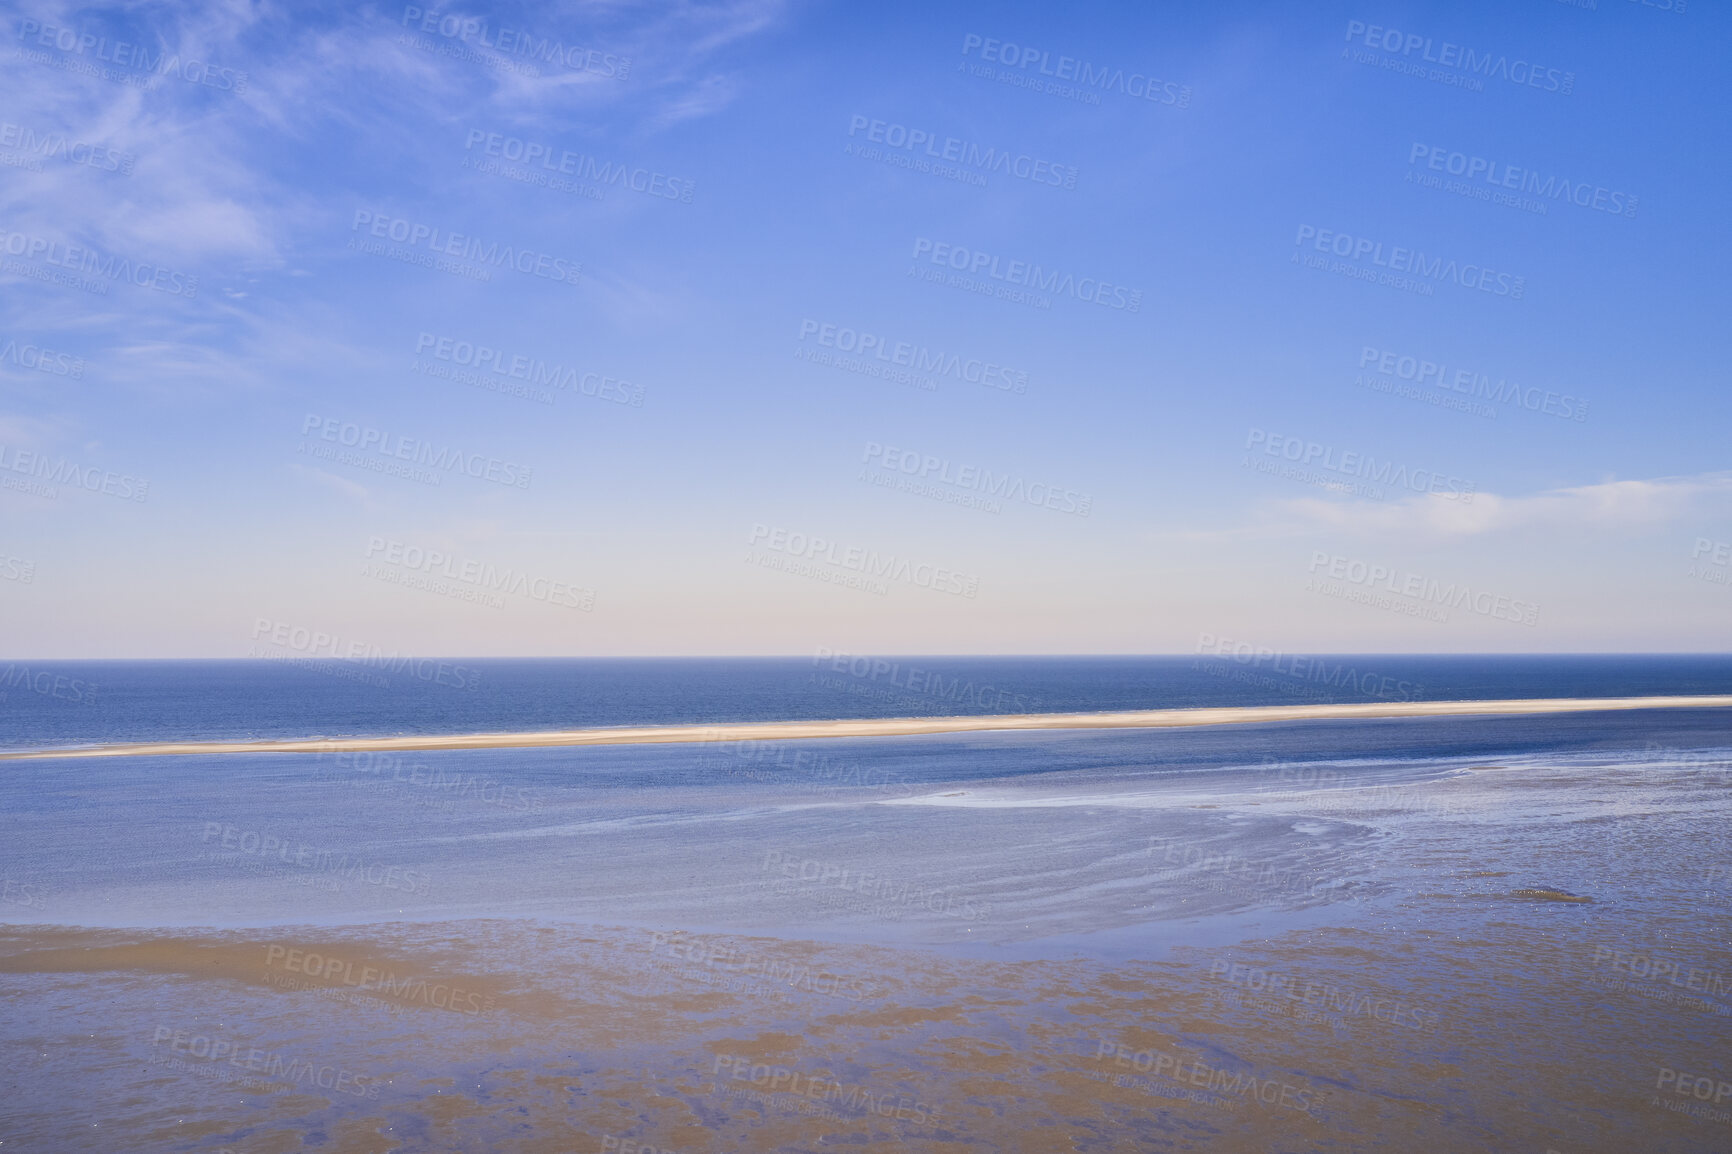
[(772, 328)]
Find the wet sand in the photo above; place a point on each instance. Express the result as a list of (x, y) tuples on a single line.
[(1497, 934), (589, 1038), (892, 727)]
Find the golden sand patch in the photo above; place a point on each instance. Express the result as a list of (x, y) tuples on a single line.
[(894, 726)]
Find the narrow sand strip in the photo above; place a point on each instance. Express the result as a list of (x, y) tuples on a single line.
[(894, 726)]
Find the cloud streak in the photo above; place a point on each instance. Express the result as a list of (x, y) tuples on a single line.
[(1609, 505)]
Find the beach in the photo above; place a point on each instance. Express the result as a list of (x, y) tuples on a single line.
[(501, 1034), (1230, 926), (1331, 930)]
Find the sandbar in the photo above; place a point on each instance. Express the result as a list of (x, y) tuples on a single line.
[(889, 726)]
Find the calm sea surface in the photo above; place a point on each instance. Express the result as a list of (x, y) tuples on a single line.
[(64, 703)]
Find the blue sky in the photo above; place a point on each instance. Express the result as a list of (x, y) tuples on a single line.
[(1426, 352)]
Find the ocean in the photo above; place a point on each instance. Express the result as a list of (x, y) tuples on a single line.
[(1495, 932), (65, 703)]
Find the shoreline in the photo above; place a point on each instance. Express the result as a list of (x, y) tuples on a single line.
[(885, 727)]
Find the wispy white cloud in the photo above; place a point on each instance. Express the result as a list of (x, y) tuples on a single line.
[(230, 184), (1609, 505)]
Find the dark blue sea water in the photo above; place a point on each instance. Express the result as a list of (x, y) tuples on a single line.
[(82, 702)]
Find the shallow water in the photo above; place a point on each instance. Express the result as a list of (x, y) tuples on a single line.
[(1504, 933)]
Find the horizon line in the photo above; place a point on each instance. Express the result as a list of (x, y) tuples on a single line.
[(929, 656)]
